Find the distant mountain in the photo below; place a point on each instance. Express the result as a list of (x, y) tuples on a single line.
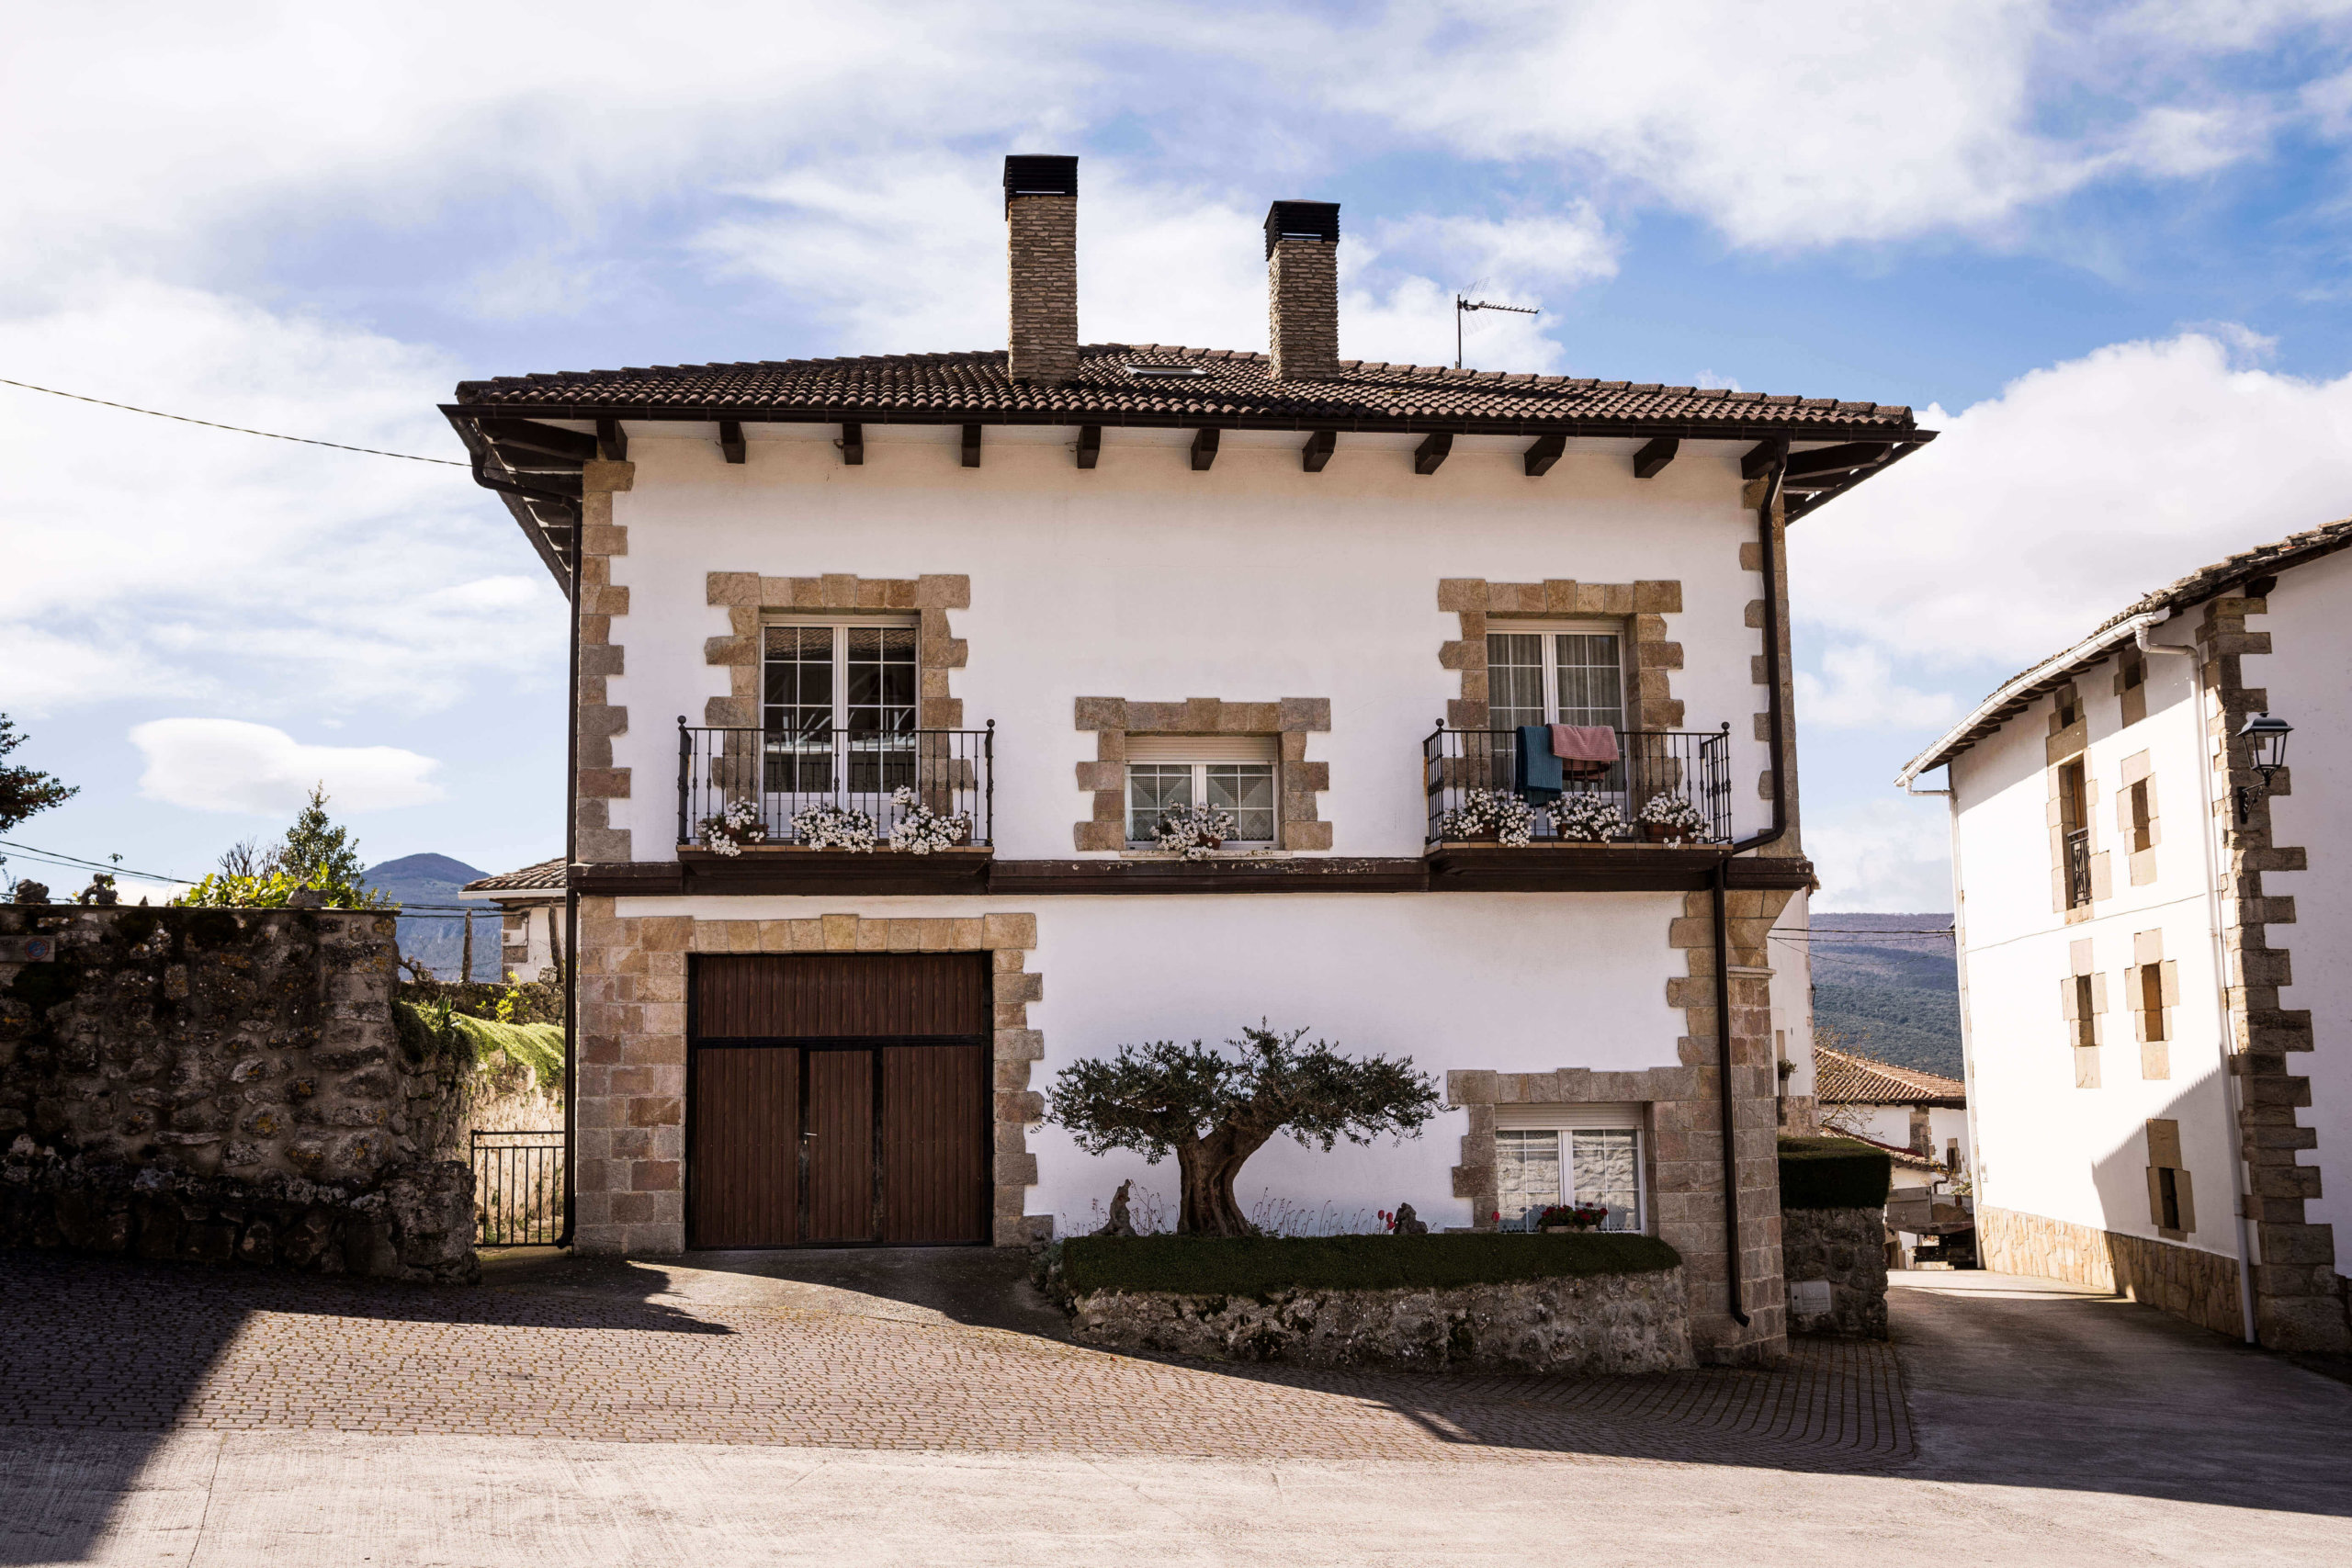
[(438, 942), (1886, 991)]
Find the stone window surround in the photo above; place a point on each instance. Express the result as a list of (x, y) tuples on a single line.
[(628, 1176), (2067, 744), (2155, 1044), (2138, 774), (1289, 719), (2078, 968), (747, 597), (1643, 607), (1682, 1152)]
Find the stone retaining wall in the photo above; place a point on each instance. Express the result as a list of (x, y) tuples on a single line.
[(1847, 1248), (224, 1085), (1611, 1323), (2184, 1280)]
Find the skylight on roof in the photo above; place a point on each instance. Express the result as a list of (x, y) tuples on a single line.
[(1168, 372)]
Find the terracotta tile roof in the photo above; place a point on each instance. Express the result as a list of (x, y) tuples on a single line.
[(1230, 388), (548, 875), (1843, 1077), (2011, 697)]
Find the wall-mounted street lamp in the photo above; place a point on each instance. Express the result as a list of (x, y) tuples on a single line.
[(2266, 752)]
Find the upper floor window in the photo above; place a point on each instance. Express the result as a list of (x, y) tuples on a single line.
[(1234, 774), (843, 677), (1564, 672)]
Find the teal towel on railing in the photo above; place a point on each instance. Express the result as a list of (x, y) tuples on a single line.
[(1534, 771)]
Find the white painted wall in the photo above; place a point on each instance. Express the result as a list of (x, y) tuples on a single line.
[(2306, 679), (2043, 1146), (1511, 982), (1142, 579)]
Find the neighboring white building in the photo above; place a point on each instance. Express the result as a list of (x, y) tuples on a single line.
[(530, 903), (1060, 590), (1921, 1113), (2161, 1090)]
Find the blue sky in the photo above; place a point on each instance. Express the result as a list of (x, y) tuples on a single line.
[(2106, 246)]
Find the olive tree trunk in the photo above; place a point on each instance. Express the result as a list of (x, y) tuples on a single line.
[(1207, 1168)]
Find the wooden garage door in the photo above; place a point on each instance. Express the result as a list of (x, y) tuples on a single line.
[(838, 1099)]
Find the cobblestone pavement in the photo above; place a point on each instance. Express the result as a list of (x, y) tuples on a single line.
[(121, 1345)]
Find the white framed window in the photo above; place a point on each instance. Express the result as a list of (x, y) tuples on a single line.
[(1234, 773), (838, 704), (1537, 1166), (1556, 672)]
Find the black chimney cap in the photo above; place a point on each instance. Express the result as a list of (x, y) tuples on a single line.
[(1039, 174), (1302, 221)]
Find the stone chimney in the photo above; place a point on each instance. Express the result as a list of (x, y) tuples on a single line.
[(1041, 239), (1303, 288)]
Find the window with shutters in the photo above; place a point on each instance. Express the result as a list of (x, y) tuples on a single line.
[(1562, 672)]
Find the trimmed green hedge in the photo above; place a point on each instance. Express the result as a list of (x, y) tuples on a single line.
[(1833, 1173), (1256, 1266)]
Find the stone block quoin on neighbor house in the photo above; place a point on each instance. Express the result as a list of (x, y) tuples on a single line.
[(747, 597), (629, 1183), (1685, 1131), (1290, 720), (2299, 1296), (599, 783)]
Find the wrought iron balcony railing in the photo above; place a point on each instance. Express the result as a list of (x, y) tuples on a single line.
[(1689, 765), (2078, 868), (949, 770)]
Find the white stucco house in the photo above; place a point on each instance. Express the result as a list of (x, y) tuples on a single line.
[(2156, 1018), (1057, 594), (531, 903)]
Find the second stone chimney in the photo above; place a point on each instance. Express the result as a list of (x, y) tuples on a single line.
[(1041, 239), (1303, 288)]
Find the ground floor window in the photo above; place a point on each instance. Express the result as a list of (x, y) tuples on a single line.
[(1569, 1165)]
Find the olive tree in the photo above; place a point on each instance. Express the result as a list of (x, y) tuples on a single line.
[(1215, 1108)]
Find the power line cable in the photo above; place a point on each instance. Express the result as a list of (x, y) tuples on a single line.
[(240, 429), (59, 857)]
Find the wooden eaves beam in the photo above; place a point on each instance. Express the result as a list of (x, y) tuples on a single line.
[(730, 439), (1090, 446), (1762, 455), (971, 445), (521, 435), (1547, 450), (1432, 451), (853, 445), (1318, 451), (612, 441), (1204, 442), (1835, 459), (1652, 459)]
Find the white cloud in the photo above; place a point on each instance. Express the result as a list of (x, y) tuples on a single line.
[(2040, 513), (149, 558), (1862, 693), (1890, 856), (223, 764), (1834, 122)]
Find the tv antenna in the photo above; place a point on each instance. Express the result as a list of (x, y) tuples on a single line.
[(1463, 307)]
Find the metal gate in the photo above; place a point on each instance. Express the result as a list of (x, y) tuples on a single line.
[(518, 1188)]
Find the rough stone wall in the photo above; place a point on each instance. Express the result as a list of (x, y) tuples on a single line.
[(628, 1182), (1291, 720), (1611, 1322), (1847, 1248), (2201, 1287), (174, 1077)]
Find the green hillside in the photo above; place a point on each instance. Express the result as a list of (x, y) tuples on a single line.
[(1887, 990)]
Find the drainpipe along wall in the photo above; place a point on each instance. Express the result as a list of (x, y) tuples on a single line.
[(568, 976), (1775, 725)]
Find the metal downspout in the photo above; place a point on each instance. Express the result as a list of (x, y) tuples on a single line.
[(570, 977), (1775, 722), (2229, 1086)]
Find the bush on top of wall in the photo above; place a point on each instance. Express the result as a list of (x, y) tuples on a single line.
[(1255, 1266), (1833, 1173), (538, 1046)]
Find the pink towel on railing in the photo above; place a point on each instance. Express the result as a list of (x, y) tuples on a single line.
[(1586, 750)]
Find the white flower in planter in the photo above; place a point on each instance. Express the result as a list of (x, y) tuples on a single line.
[(1196, 832), (834, 828), (1588, 818), (919, 829), (740, 824), (1510, 819), (1676, 815)]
